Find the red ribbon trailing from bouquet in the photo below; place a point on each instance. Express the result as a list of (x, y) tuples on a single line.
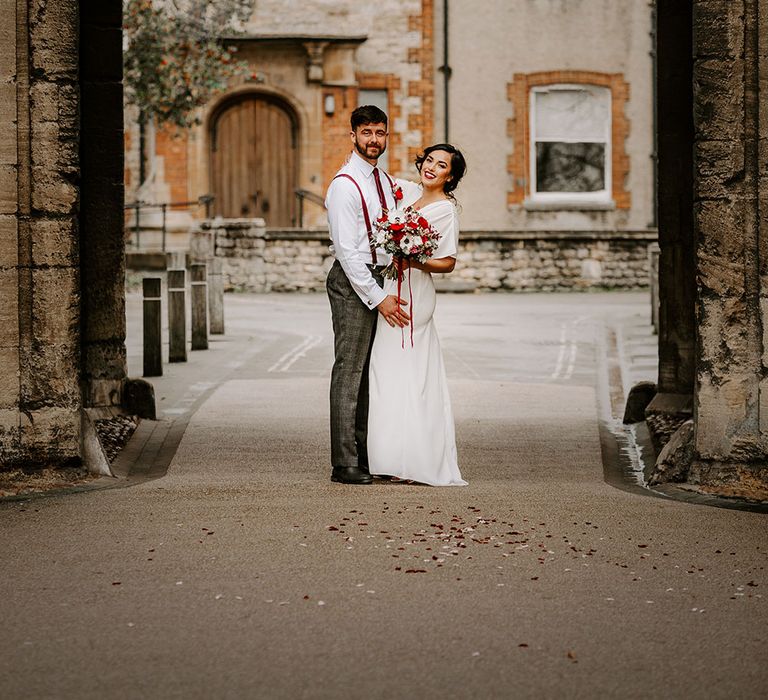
[(400, 263)]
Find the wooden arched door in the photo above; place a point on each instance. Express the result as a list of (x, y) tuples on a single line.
[(254, 161)]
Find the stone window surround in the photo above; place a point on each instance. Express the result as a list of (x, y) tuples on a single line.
[(599, 197), (518, 163)]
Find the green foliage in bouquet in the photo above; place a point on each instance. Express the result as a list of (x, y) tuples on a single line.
[(174, 57)]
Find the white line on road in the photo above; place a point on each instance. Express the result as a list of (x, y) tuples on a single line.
[(561, 354), (295, 353), (571, 361), (569, 346)]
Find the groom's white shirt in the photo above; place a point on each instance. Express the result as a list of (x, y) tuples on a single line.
[(349, 237)]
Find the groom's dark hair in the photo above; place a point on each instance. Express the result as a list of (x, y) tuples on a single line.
[(368, 114)]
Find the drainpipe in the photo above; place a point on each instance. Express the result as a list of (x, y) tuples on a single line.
[(142, 148), (445, 69)]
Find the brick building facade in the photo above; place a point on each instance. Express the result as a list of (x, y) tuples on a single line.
[(442, 70), (314, 64)]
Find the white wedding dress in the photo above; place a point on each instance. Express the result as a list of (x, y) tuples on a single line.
[(410, 420)]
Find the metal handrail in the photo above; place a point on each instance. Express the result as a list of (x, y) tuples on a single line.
[(205, 200), (313, 197)]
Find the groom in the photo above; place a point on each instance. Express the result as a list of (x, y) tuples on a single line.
[(356, 197)]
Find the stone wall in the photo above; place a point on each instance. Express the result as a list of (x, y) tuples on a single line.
[(730, 113), (256, 259), (40, 398), (61, 250)]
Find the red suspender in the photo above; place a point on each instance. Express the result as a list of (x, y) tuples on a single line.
[(366, 216), (391, 181)]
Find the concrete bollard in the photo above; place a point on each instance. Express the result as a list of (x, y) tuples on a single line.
[(199, 294), (153, 361), (177, 316), (216, 297)]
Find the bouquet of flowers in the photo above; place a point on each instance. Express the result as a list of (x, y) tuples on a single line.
[(406, 235)]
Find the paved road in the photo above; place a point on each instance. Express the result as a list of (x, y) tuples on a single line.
[(244, 572)]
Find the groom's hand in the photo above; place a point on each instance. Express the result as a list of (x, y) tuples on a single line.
[(390, 309)]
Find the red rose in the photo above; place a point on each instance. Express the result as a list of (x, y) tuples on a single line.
[(398, 193), (397, 227), (423, 222)]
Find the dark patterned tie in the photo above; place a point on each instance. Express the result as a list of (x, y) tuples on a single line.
[(380, 190)]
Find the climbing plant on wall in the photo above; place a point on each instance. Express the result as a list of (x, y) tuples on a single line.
[(175, 56)]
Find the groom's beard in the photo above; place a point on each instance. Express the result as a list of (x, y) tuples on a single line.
[(372, 151)]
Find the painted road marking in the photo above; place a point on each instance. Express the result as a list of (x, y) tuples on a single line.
[(296, 353), (568, 348)]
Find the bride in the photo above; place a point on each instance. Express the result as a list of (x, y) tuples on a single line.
[(410, 421)]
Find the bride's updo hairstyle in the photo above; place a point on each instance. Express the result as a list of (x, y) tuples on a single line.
[(458, 165)]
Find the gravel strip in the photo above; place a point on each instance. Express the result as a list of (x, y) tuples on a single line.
[(115, 432)]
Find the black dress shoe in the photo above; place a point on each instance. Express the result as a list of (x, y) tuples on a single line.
[(351, 475)]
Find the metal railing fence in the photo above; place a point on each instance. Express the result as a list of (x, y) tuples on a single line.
[(301, 195), (205, 200)]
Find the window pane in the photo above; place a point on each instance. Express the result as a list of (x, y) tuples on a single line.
[(570, 167), (573, 113), (378, 98)]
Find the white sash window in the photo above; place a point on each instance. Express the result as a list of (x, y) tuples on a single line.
[(570, 140)]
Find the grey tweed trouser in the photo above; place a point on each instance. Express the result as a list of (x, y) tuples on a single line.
[(354, 326)]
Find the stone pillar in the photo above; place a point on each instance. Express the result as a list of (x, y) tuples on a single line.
[(677, 274), (10, 390), (731, 186), (102, 249), (39, 282)]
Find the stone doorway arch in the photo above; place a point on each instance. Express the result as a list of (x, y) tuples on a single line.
[(254, 150)]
